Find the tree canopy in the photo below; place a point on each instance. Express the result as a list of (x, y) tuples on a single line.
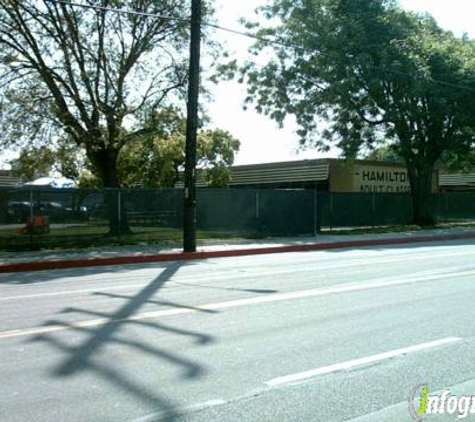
[(373, 73), (158, 162), (384, 153), (155, 159), (33, 163), (87, 76)]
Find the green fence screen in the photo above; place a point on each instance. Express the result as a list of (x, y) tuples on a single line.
[(49, 217)]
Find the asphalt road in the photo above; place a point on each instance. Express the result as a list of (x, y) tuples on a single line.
[(342, 335)]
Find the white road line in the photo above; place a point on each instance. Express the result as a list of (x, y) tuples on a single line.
[(399, 411), (208, 277), (232, 273), (180, 411), (358, 362), (302, 294), (71, 292)]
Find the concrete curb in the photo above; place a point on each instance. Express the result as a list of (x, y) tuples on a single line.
[(180, 256)]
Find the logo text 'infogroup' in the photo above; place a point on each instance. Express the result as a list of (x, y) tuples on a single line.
[(438, 404)]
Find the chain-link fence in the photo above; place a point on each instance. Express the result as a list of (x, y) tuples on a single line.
[(48, 217)]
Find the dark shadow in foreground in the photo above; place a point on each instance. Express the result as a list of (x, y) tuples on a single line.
[(81, 358)]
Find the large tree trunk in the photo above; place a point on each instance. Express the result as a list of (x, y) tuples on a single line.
[(105, 161), (118, 221), (420, 177)]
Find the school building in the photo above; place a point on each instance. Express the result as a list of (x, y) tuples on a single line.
[(336, 175)]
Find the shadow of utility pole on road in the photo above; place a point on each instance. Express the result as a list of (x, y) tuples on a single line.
[(81, 358)]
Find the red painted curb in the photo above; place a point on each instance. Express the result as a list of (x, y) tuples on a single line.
[(180, 256)]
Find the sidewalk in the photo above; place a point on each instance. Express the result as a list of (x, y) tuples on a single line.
[(42, 260)]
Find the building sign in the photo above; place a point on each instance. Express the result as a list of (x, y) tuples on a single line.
[(380, 179)]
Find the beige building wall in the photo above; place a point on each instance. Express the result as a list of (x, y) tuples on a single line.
[(371, 177)]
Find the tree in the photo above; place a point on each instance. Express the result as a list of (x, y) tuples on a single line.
[(155, 160), (33, 163), (85, 72), (37, 161), (88, 75), (216, 150), (374, 73), (384, 153), (152, 160)]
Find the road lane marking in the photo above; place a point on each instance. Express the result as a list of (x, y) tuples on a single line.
[(278, 297), (398, 411), (350, 364), (231, 274), (70, 292), (196, 280), (154, 417)]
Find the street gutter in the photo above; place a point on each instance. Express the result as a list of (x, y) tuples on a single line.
[(180, 256)]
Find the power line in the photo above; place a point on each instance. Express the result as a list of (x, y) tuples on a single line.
[(258, 38), (244, 34), (321, 53), (121, 11)]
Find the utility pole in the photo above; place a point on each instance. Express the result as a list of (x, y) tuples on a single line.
[(189, 215)]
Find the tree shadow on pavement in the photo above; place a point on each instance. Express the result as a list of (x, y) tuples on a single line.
[(104, 332)]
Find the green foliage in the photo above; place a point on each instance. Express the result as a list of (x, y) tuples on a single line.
[(373, 73), (155, 160), (384, 153), (88, 77), (216, 150), (33, 163), (371, 70)]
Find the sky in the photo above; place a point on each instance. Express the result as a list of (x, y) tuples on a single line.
[(261, 140)]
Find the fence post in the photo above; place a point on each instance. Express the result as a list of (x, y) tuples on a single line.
[(446, 208), (316, 214), (331, 210), (373, 209), (119, 213), (29, 225), (258, 212)]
